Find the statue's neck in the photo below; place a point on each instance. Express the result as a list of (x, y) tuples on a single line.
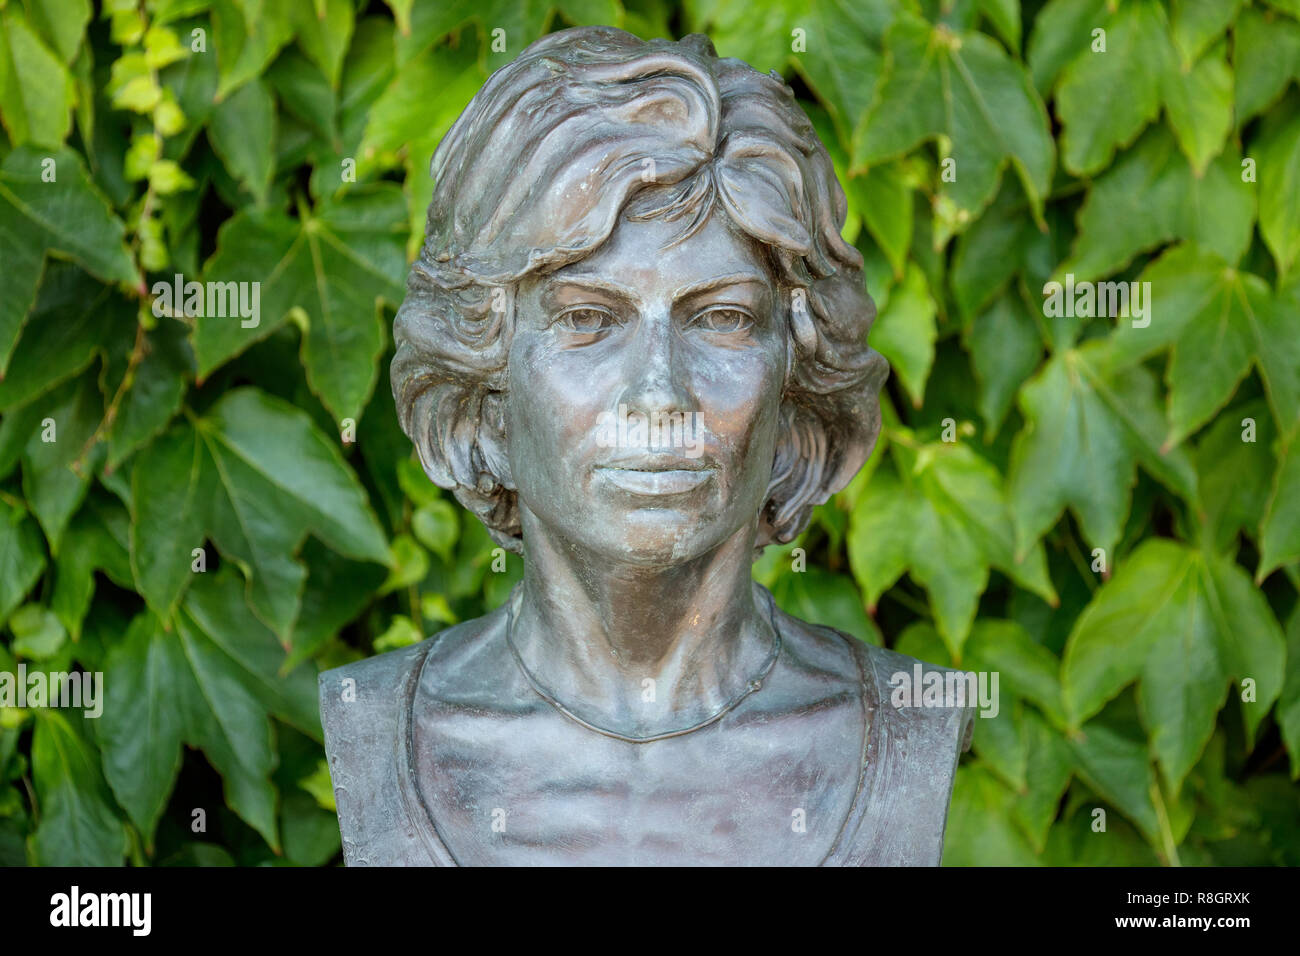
[(640, 650)]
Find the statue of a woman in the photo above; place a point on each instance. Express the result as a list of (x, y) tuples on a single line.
[(634, 345)]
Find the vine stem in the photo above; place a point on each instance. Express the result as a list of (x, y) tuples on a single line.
[(911, 603), (31, 797), (1169, 846), (1079, 561), (110, 414)]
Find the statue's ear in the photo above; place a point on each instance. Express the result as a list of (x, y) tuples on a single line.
[(821, 448), (460, 438), (459, 435), (491, 439)]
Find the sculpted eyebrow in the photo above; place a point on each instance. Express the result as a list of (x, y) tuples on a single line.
[(557, 283), (719, 282)]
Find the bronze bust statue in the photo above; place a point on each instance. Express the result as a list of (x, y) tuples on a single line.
[(634, 345)]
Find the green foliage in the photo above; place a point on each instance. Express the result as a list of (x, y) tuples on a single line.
[(1101, 510)]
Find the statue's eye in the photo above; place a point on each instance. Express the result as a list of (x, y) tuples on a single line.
[(723, 320), (587, 320)]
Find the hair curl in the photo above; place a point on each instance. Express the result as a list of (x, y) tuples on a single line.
[(535, 175)]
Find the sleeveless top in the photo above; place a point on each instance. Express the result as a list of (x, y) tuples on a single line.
[(896, 818)]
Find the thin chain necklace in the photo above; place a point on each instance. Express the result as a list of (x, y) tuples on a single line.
[(749, 688)]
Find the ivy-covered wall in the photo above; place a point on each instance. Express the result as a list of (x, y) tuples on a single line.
[(203, 504)]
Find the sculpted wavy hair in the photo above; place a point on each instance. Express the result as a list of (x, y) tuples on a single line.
[(584, 127)]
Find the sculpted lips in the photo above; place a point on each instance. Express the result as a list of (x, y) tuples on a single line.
[(655, 474)]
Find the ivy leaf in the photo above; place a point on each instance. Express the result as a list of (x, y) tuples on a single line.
[(62, 23), (1290, 6), (964, 91), (905, 332), (68, 218), (242, 131), (1288, 705), (1062, 31), (304, 91), (247, 35), (1105, 99), (337, 590), (22, 557), (263, 477), (336, 265), (979, 830), (1182, 622), (1198, 101), (1086, 428), (941, 514), (1266, 48), (78, 824), (1278, 355), (367, 70), (402, 119), (324, 30), (148, 689), (520, 22), (1005, 17), (1196, 24), (1215, 319), (1150, 196), (254, 653), (38, 633), (1235, 476), (1048, 769), (74, 319), (999, 742), (36, 90), (840, 56), (211, 683), (1005, 347), (1279, 532), (1118, 768), (155, 392), (96, 539), (824, 598), (402, 14), (995, 248), (884, 196), (1278, 153), (170, 485), (193, 82), (54, 488), (1027, 669)]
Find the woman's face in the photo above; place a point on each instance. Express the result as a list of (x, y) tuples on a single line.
[(644, 391)]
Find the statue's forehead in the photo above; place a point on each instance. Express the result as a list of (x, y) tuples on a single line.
[(660, 253)]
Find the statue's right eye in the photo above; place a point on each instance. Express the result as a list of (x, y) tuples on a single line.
[(586, 320)]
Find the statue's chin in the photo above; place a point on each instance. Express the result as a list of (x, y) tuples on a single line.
[(657, 537)]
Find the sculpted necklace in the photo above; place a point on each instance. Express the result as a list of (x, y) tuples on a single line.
[(752, 686)]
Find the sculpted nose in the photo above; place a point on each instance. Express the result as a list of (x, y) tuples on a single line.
[(655, 377)]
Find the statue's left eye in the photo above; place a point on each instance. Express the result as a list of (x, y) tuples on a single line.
[(723, 320), (586, 321)]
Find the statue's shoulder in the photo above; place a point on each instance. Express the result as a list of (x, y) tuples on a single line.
[(831, 653), (915, 692), (359, 707), (921, 722), (363, 706), (920, 718)]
